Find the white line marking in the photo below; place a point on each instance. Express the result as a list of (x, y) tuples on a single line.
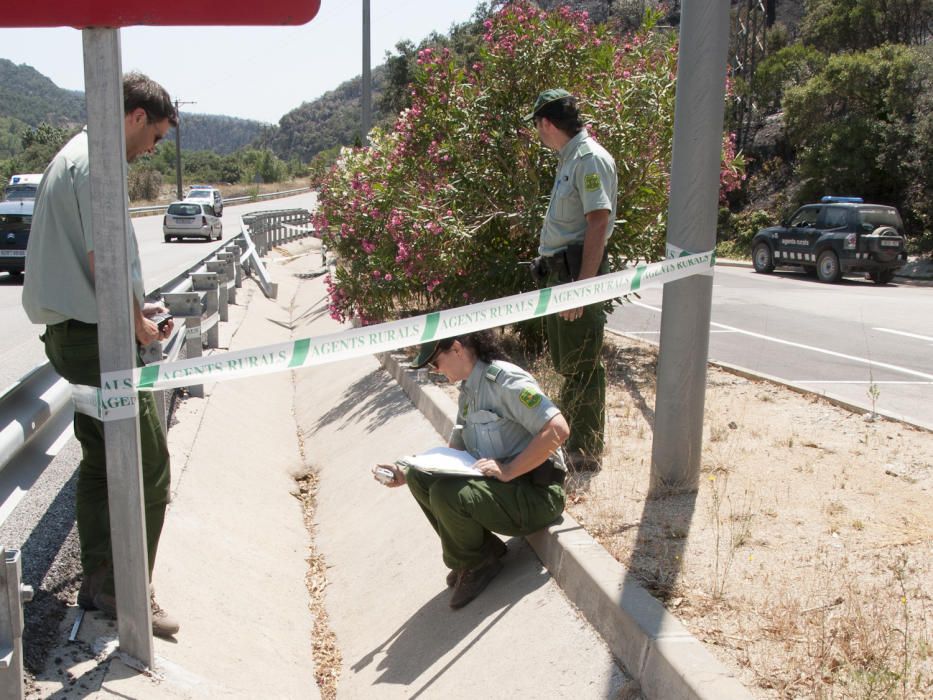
[(909, 335), (844, 356), (856, 381)]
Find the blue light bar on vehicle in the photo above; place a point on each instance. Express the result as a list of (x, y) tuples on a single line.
[(848, 200)]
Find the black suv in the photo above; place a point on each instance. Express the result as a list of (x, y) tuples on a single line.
[(836, 237), (15, 222)]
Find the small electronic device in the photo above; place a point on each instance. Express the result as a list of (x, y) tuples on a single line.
[(161, 320), (384, 475)]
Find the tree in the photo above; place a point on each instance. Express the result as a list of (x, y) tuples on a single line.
[(832, 26), (854, 124), (442, 209)]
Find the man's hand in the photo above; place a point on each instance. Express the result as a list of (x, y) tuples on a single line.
[(148, 331), (594, 242), (150, 310)]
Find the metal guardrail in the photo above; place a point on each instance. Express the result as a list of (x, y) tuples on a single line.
[(246, 198), (199, 299), (38, 396)]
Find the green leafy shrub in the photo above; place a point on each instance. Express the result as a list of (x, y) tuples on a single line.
[(442, 210), (737, 230)]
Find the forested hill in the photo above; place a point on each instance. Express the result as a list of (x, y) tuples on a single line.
[(216, 133), (331, 120), (28, 99)]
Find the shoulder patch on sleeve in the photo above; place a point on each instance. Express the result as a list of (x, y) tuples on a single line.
[(591, 182), (493, 372), (530, 397)]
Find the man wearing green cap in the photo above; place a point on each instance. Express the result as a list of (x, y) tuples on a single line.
[(577, 225)]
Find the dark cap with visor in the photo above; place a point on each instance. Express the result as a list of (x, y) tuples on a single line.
[(546, 98), (426, 353)]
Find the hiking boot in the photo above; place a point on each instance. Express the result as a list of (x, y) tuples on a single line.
[(163, 625), (90, 586), (578, 462), (471, 582), (497, 549)]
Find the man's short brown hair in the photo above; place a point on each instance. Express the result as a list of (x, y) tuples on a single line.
[(142, 92), (563, 114)]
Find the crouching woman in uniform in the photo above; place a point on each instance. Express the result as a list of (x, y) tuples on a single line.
[(515, 432)]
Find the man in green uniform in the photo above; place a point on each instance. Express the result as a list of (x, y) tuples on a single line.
[(59, 293), (577, 225)]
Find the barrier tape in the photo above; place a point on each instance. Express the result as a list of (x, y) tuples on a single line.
[(119, 387)]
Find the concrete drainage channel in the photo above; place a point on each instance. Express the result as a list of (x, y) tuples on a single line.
[(654, 647)]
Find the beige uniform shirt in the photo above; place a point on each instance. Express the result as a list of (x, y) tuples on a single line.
[(500, 410), (586, 181), (58, 284)]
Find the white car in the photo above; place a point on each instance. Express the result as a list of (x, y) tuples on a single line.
[(191, 219), (205, 194)]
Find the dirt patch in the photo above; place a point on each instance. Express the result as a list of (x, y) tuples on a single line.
[(803, 561)]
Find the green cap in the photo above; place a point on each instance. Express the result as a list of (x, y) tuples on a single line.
[(546, 98), (425, 353)]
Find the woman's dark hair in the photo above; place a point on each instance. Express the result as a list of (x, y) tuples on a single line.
[(142, 91), (484, 345), (563, 114)]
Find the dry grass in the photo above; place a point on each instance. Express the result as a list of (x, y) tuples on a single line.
[(804, 559)]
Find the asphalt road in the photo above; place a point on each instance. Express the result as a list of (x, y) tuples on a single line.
[(20, 349), (836, 339), (839, 339)]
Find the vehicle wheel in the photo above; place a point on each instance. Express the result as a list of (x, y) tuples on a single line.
[(762, 259), (881, 276), (168, 239), (827, 267), (220, 232)]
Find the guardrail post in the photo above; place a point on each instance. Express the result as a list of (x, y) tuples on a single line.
[(236, 249), (12, 596), (186, 306), (220, 268), (279, 230), (231, 260), (261, 237), (208, 283)]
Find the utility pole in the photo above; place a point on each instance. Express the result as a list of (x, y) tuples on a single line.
[(367, 80), (178, 187), (686, 309)]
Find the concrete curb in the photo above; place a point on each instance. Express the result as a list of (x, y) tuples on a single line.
[(656, 649)]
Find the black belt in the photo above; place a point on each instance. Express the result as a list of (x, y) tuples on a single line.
[(546, 474)]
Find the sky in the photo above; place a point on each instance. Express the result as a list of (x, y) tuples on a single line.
[(249, 72)]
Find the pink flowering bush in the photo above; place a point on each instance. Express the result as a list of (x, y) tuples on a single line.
[(442, 210)]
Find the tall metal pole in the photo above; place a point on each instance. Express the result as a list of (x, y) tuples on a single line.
[(685, 314), (367, 80), (178, 154), (103, 86)]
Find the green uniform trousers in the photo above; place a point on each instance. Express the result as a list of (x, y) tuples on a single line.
[(576, 353), (465, 512), (72, 350)]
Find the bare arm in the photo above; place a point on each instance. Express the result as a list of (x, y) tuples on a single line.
[(554, 433), (594, 243)]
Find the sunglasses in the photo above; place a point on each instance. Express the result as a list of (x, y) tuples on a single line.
[(432, 363)]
